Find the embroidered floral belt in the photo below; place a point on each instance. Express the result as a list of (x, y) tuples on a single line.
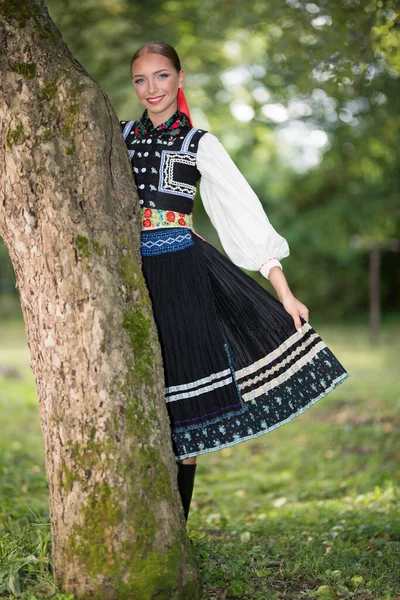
[(153, 218), (160, 241)]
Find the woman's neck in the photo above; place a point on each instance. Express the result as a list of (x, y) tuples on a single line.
[(159, 119)]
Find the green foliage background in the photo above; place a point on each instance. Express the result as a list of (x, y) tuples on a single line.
[(311, 511), (329, 70)]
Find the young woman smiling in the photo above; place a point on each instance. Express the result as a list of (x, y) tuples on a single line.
[(238, 362), (156, 84)]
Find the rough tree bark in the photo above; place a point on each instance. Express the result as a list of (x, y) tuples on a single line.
[(70, 218)]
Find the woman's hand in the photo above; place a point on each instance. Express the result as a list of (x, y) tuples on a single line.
[(295, 308)]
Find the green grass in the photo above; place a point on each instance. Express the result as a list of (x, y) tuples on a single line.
[(308, 511)]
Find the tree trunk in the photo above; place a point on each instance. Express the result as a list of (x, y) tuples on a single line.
[(70, 218)]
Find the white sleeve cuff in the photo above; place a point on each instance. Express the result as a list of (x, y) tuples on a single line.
[(267, 266)]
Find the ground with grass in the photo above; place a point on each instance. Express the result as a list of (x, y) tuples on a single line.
[(307, 511)]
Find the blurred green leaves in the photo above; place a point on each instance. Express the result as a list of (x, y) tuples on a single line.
[(305, 96)]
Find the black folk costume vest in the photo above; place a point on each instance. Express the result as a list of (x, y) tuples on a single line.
[(163, 163)]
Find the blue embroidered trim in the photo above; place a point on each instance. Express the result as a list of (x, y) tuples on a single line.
[(187, 140), (160, 241), (127, 129)]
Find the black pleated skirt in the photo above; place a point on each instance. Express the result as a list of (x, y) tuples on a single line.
[(235, 366)]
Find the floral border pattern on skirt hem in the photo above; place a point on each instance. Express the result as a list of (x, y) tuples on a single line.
[(265, 405)]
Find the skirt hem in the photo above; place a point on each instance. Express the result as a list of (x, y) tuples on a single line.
[(334, 384)]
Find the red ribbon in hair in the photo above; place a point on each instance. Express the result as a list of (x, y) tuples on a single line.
[(182, 104)]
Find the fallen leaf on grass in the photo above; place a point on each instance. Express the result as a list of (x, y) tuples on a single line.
[(263, 573), (280, 502), (326, 592), (344, 591), (357, 580), (370, 546), (336, 573)]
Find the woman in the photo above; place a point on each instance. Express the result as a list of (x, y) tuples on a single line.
[(238, 362)]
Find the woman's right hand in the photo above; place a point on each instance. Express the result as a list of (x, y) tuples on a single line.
[(291, 304), (295, 308)]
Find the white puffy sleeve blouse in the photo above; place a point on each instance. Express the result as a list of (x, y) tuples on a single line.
[(246, 234)]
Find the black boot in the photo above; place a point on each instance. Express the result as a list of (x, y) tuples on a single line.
[(186, 473)]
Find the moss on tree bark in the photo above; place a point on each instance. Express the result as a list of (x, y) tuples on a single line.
[(71, 220)]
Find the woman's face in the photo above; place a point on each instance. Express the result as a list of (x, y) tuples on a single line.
[(156, 83)]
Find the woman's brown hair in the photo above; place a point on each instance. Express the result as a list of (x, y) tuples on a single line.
[(158, 47)]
